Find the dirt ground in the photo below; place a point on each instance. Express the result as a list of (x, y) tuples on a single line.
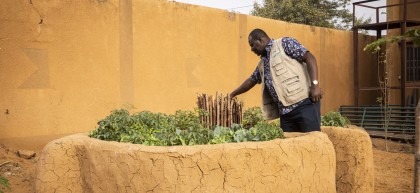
[(394, 169)]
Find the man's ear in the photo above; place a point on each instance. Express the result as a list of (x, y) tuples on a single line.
[(263, 40)]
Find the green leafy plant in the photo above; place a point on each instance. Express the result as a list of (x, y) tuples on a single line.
[(334, 119), (252, 116), (275, 122), (411, 35), (266, 131), (183, 128), (5, 183)]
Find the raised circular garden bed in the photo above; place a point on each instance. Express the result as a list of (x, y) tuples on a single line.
[(335, 160)]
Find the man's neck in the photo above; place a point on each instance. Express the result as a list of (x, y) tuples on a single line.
[(264, 54), (268, 47)]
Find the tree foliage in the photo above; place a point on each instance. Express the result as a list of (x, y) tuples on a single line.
[(363, 21), (411, 35), (322, 13)]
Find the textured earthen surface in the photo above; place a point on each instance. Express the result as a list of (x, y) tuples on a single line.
[(78, 163), (353, 148)]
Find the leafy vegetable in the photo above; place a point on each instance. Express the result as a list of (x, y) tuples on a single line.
[(334, 119), (252, 116), (183, 128)]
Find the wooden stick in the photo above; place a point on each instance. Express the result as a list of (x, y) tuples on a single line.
[(205, 109), (200, 107), (228, 111), (417, 152), (224, 112), (4, 163), (215, 111), (219, 109), (234, 112), (231, 111), (211, 110), (240, 114)]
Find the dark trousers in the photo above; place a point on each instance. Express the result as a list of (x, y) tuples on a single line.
[(305, 118)]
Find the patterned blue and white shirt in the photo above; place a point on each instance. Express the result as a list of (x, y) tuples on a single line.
[(293, 49)]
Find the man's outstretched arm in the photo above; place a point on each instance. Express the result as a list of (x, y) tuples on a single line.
[(244, 87)]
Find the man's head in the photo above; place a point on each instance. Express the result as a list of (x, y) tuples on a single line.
[(258, 40)]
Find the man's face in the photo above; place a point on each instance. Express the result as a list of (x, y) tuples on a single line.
[(257, 45)]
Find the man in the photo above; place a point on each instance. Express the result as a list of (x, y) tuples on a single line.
[(289, 75)]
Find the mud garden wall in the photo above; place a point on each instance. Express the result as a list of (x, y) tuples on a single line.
[(64, 65), (334, 160)]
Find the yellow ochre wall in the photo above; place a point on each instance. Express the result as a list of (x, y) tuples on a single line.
[(64, 65)]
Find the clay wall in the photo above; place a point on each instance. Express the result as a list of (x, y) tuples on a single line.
[(80, 164), (334, 160), (64, 65)]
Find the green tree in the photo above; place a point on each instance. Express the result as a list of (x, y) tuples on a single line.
[(322, 13), (362, 21)]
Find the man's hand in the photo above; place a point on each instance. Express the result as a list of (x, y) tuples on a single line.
[(244, 87), (315, 93)]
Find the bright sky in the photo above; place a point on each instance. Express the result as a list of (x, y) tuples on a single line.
[(245, 6), (241, 6)]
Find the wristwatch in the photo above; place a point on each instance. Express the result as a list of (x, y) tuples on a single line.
[(315, 82)]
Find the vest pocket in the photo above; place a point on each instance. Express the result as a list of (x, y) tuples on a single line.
[(276, 58), (280, 69), (292, 86), (279, 66), (294, 89), (287, 81)]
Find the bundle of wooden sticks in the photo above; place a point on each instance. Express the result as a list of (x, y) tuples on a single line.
[(220, 110)]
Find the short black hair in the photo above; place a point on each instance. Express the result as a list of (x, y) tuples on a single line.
[(257, 33)]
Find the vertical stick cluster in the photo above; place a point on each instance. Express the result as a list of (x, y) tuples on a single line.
[(221, 110), (417, 152)]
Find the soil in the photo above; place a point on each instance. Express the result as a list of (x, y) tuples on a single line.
[(394, 169)]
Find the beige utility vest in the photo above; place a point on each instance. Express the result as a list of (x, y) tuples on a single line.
[(290, 80)]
